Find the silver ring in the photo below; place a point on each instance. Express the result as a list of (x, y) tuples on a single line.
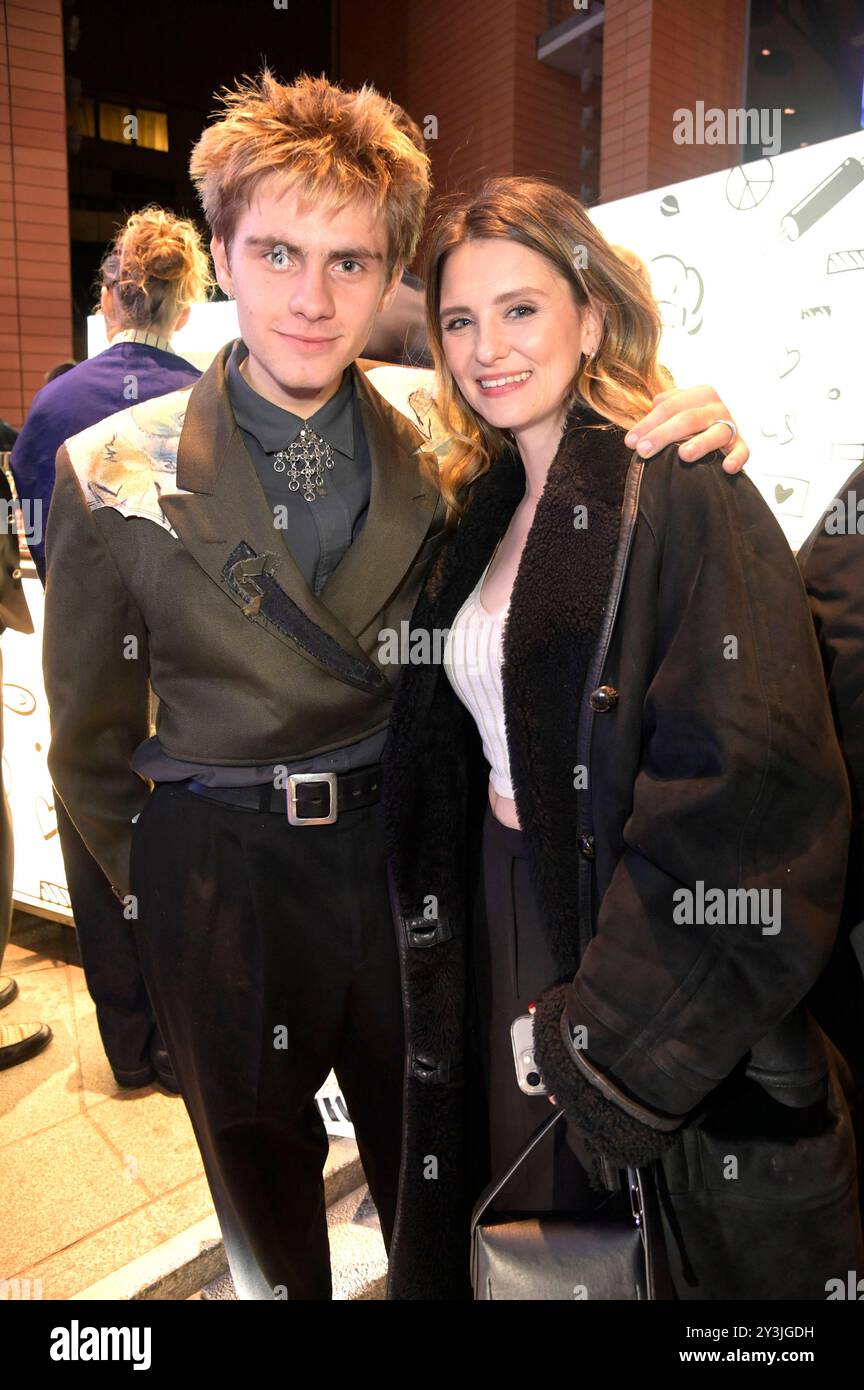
[(734, 428)]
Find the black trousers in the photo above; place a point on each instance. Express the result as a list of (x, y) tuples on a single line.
[(109, 956), (270, 954), (512, 965)]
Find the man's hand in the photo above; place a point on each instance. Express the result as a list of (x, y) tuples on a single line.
[(690, 415)]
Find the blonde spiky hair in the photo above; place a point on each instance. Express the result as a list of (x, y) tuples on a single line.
[(331, 144)]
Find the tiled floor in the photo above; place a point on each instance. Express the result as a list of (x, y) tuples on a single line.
[(93, 1176)]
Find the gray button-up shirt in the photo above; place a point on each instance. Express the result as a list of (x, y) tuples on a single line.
[(317, 535)]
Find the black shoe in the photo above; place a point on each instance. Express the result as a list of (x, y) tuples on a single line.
[(8, 990), (21, 1041), (163, 1068)]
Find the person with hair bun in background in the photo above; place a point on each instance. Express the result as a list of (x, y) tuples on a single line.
[(154, 271)]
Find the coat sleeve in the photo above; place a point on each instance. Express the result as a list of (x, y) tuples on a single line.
[(32, 466), (741, 786), (832, 563), (96, 669)]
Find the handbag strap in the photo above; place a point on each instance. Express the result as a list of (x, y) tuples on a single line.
[(490, 1192), (637, 1178), (643, 1204)]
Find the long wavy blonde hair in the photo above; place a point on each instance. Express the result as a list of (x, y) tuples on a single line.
[(621, 378)]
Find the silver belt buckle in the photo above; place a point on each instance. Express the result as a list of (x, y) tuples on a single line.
[(294, 781)]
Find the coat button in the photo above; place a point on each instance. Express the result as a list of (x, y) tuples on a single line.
[(430, 1068), (586, 846), (604, 698)]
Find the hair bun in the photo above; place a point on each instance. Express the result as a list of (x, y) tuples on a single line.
[(156, 267), (166, 258)]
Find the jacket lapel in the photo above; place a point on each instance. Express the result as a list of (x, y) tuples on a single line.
[(220, 514), (402, 505)]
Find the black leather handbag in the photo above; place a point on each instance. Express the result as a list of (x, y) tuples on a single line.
[(614, 1251)]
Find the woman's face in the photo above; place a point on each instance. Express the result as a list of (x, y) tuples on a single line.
[(512, 334)]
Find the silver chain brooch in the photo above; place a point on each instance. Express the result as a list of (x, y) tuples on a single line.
[(304, 462)]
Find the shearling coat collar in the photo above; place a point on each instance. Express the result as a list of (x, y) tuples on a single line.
[(572, 543)]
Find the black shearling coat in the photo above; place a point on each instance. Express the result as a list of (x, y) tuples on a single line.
[(665, 645), (832, 563)]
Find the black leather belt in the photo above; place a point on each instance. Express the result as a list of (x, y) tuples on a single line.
[(308, 798)]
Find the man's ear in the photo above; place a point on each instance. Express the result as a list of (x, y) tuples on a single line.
[(392, 286), (220, 262)]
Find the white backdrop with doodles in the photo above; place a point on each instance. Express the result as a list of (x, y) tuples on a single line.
[(759, 273)]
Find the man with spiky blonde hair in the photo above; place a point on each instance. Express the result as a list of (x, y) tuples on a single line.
[(241, 544)]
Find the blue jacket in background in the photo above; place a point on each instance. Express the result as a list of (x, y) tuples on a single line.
[(79, 398)]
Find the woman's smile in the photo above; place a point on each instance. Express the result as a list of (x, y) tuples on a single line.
[(502, 384)]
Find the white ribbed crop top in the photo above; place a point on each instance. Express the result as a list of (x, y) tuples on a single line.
[(472, 662)]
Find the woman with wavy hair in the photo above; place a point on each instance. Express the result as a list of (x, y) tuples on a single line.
[(618, 802)]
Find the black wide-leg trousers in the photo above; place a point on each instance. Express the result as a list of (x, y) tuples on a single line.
[(512, 965), (270, 956)]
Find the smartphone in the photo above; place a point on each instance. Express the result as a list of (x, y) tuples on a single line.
[(528, 1077)]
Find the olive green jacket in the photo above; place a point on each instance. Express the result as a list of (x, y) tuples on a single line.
[(165, 570)]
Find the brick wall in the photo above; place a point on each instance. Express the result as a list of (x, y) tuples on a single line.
[(659, 56), (472, 63), (474, 67), (35, 308)]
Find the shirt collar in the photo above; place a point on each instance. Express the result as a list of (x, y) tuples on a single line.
[(142, 335), (274, 427)]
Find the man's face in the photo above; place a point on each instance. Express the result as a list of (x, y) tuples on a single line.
[(308, 285)]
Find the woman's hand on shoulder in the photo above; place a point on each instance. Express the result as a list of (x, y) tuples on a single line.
[(695, 415)]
